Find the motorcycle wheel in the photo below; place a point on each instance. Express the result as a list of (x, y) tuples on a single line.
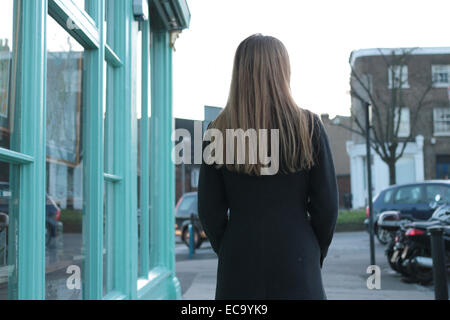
[(389, 253)]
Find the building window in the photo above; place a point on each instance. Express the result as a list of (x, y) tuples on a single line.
[(404, 125), (440, 75), (405, 170), (195, 173), (441, 120), (398, 77)]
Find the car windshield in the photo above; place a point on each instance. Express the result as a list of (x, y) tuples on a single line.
[(187, 205)]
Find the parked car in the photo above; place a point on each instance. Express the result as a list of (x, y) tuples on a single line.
[(414, 201), (187, 207), (52, 212), (52, 221)]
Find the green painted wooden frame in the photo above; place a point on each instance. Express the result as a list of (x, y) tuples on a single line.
[(33, 64), (156, 278)]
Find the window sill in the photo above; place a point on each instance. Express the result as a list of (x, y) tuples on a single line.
[(439, 86), (442, 134), (406, 86), (157, 279), (115, 295)]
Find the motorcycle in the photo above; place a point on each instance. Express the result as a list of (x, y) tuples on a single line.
[(392, 224), (418, 260), (409, 251)]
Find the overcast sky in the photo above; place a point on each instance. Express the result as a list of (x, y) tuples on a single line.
[(319, 36)]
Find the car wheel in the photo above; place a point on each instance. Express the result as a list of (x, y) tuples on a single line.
[(197, 239), (383, 236)]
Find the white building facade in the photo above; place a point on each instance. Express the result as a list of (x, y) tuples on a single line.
[(409, 168)]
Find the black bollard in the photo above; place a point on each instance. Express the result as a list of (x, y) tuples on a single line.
[(439, 265)]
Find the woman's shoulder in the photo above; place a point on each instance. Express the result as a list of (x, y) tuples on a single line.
[(314, 121)]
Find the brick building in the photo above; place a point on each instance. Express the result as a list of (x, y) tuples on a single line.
[(191, 171), (415, 74), (338, 137)]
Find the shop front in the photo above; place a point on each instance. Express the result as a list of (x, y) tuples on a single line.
[(87, 195)]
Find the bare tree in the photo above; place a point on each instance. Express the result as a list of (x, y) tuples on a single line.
[(387, 140)]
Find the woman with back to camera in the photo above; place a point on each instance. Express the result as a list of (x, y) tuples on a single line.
[(272, 242)]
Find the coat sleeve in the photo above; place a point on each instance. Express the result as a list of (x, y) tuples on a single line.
[(323, 194), (212, 204)]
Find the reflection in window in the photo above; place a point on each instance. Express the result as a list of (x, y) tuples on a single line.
[(9, 116), (64, 164), (431, 191), (9, 137), (408, 195), (139, 123), (108, 238), (9, 217), (405, 170), (388, 196), (109, 187), (402, 126)]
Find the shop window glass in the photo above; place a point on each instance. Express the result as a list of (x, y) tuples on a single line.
[(9, 139), (108, 239), (9, 113), (109, 187), (9, 223), (64, 183)]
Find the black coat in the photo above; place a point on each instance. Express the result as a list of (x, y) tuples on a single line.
[(268, 247)]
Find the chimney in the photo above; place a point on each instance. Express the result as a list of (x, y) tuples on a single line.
[(325, 117)]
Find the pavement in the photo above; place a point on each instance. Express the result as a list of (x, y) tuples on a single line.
[(344, 272)]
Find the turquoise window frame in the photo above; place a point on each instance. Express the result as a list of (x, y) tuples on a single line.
[(156, 278), (144, 249)]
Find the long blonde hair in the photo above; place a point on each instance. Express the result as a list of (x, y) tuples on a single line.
[(260, 98)]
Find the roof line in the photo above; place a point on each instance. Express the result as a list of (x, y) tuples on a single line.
[(388, 51)]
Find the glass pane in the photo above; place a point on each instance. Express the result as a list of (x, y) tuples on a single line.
[(431, 191), (108, 239), (108, 119), (109, 25), (405, 170), (408, 195), (9, 116), (108, 214), (64, 254), (139, 118), (9, 216)]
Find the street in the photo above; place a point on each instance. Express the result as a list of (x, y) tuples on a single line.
[(344, 272)]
